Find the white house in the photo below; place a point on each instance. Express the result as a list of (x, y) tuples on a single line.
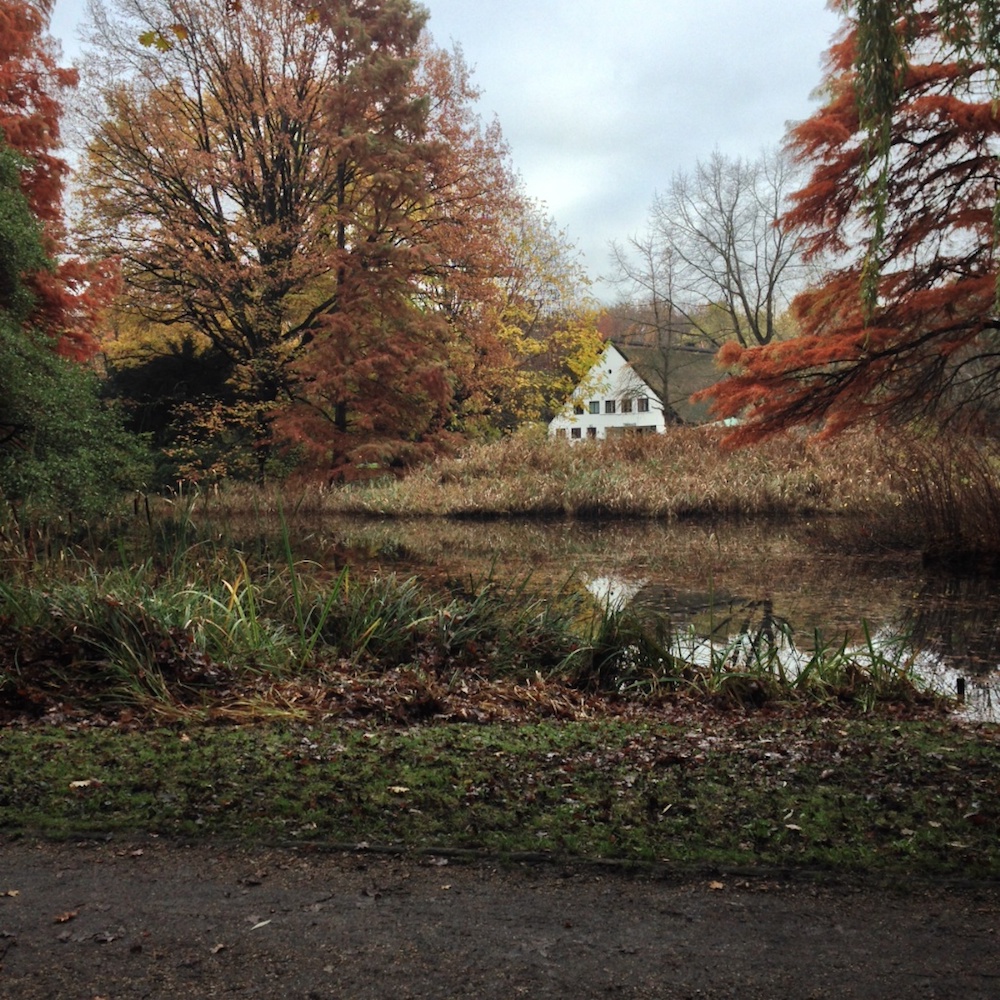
[(612, 399)]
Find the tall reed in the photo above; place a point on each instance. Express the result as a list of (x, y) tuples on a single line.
[(949, 503), (685, 472)]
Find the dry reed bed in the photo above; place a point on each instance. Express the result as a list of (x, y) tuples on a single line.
[(932, 492), (685, 472)]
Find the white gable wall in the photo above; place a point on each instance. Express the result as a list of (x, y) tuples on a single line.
[(611, 380)]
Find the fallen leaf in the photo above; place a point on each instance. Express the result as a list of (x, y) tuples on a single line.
[(262, 923), (11, 893), (217, 948), (65, 918), (86, 783), (398, 789), (793, 827), (716, 886)]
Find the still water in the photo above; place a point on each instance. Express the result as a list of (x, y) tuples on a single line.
[(712, 580)]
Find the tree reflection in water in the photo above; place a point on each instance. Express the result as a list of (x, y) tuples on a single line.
[(949, 635), (716, 581)]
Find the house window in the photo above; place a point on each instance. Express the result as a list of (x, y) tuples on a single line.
[(595, 406), (642, 404), (575, 432), (577, 409), (560, 432), (626, 406), (609, 406), (592, 432)]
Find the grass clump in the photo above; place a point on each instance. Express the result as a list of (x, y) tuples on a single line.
[(236, 646)]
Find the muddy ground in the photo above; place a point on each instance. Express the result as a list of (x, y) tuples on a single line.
[(157, 919)]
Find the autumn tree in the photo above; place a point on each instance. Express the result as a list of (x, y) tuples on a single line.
[(236, 173), (62, 452), (65, 294), (456, 227), (925, 344), (533, 324), (304, 187), (885, 33)]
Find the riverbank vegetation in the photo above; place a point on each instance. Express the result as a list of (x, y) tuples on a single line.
[(210, 625), (201, 661), (933, 492), (227, 604)]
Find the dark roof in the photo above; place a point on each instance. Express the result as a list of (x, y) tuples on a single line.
[(689, 369)]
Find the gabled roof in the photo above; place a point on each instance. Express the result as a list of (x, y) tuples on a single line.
[(688, 369)]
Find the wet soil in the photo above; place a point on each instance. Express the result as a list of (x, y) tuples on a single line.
[(157, 919)]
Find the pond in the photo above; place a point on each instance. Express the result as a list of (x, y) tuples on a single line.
[(713, 580)]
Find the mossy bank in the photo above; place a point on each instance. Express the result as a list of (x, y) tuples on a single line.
[(726, 790)]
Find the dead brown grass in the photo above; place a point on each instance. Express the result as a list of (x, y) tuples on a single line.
[(934, 492), (682, 473)]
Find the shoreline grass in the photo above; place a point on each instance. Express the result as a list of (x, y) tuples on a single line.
[(168, 680), (935, 493), (682, 473), (218, 638), (831, 794)]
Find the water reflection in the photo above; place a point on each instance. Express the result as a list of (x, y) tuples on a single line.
[(613, 592), (718, 581), (953, 621), (948, 637)]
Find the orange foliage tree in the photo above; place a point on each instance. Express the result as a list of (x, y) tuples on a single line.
[(306, 187), (919, 224), (66, 294), (403, 360)]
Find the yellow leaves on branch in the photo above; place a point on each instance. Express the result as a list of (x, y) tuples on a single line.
[(158, 40)]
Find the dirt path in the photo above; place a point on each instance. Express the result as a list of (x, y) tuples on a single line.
[(156, 920)]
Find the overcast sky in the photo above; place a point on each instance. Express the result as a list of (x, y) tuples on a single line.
[(603, 103)]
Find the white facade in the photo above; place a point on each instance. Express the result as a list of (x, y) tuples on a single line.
[(611, 399)]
